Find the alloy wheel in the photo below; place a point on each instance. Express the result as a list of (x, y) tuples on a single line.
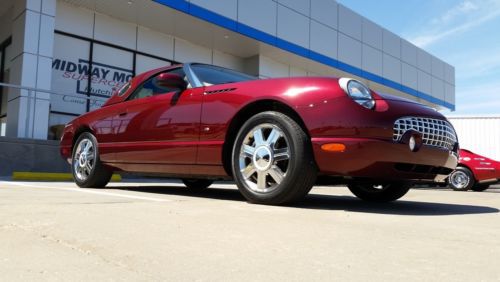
[(84, 159), (264, 158), (459, 179)]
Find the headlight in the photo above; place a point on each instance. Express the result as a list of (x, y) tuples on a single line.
[(358, 92)]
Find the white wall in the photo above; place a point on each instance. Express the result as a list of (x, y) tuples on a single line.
[(322, 26), (333, 30), (80, 21), (32, 31), (480, 135)]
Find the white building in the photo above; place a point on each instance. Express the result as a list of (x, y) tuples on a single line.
[(91, 47), (479, 134)]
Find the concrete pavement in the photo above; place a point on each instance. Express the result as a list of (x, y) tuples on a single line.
[(161, 231)]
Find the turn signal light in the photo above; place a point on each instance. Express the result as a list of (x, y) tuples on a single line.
[(333, 147)]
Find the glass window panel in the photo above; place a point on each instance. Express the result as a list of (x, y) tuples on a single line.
[(4, 100), (70, 68), (213, 75), (8, 59), (3, 92), (145, 63), (57, 122), (3, 126), (111, 70), (151, 87)]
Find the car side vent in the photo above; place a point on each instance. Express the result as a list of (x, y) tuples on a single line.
[(219, 91)]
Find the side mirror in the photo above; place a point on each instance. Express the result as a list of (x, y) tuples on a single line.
[(170, 80)]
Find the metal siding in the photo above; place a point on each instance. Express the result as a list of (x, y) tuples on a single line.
[(480, 135)]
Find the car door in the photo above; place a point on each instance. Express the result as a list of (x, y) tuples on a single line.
[(158, 125)]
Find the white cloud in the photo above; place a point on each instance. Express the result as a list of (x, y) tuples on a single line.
[(475, 60), (487, 107), (476, 63), (460, 9), (478, 99), (458, 19), (428, 39)]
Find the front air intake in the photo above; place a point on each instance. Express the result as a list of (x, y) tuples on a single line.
[(435, 132)]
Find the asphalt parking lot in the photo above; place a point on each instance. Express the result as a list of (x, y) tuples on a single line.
[(161, 231)]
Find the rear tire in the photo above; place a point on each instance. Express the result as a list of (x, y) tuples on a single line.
[(272, 160), (480, 187), (461, 179), (197, 184), (379, 193), (87, 168)]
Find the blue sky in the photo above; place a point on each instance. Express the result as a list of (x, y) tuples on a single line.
[(463, 33)]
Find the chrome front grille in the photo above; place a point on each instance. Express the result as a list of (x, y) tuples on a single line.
[(435, 132)]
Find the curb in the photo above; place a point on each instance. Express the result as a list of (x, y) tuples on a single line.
[(51, 176)]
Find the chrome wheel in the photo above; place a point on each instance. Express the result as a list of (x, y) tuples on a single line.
[(84, 159), (459, 179), (264, 158)]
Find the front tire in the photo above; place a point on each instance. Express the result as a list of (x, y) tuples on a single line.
[(272, 160), (379, 193), (87, 168), (461, 179)]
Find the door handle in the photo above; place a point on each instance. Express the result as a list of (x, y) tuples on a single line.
[(122, 114)]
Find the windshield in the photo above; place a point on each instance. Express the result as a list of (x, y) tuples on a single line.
[(213, 75)]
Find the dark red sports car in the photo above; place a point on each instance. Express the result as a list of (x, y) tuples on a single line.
[(474, 172), (274, 137)]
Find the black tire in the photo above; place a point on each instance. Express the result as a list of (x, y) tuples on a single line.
[(379, 193), (197, 184), (461, 179), (96, 177), (289, 159), (480, 187)]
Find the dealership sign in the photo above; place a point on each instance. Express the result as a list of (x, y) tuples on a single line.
[(104, 80)]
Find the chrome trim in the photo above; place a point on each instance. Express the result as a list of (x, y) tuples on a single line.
[(193, 79), (459, 179), (435, 132), (84, 159), (344, 85), (219, 91), (490, 180), (343, 81)]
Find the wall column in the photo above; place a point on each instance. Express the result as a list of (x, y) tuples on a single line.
[(32, 44)]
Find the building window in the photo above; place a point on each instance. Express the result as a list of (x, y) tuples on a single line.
[(70, 70), (79, 62), (112, 68), (145, 63), (5, 55)]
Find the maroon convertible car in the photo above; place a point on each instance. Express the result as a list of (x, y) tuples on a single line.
[(274, 137)]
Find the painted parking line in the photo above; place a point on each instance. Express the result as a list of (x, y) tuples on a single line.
[(89, 191)]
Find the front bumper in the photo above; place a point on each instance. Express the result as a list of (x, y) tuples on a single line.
[(383, 160)]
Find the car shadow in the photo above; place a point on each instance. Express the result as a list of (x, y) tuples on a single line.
[(400, 207), (328, 202), (493, 189)]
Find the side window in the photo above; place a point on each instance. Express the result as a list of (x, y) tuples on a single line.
[(213, 75), (151, 88)]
